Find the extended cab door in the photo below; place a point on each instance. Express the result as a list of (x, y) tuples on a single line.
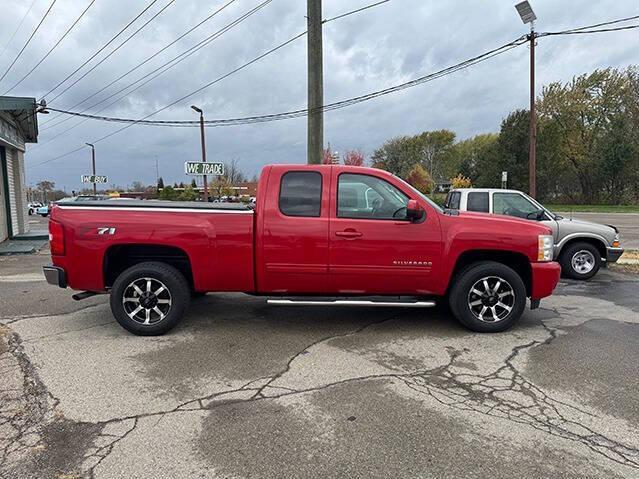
[(374, 249), (292, 230)]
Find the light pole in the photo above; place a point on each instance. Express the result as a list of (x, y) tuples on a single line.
[(95, 189), (206, 186), (528, 16)]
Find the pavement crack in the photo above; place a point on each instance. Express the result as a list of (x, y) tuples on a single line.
[(505, 393)]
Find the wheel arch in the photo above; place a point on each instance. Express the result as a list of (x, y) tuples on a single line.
[(595, 240), (516, 261), (119, 257)]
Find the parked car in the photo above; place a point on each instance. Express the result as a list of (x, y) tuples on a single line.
[(43, 210), (581, 247), (32, 207), (317, 233)]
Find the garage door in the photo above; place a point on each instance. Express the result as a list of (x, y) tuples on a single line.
[(4, 233), (13, 203)]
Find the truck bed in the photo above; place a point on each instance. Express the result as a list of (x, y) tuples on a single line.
[(214, 240)]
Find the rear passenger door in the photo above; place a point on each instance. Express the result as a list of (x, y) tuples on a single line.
[(478, 201), (292, 241)]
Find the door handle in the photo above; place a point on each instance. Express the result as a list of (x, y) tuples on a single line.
[(348, 234)]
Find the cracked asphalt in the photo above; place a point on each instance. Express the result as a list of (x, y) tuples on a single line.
[(241, 389)]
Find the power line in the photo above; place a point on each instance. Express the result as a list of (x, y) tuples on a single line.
[(155, 54), (302, 112), (603, 24), (337, 17), (157, 14), (245, 65), (101, 48), (52, 48), (582, 32), (46, 14), (201, 43), (167, 65), (4, 49)]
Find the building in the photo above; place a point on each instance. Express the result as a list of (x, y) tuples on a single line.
[(18, 125)]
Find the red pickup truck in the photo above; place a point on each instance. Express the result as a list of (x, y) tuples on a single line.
[(319, 235)]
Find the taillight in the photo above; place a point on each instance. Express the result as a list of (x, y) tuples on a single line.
[(56, 238)]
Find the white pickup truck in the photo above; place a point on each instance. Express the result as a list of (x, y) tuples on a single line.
[(581, 247)]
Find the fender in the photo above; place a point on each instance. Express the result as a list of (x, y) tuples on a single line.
[(559, 246)]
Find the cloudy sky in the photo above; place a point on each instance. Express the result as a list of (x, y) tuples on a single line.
[(371, 50)]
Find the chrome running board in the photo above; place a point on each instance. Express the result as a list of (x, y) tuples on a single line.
[(353, 302)]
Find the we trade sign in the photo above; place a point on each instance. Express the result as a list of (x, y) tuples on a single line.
[(201, 168)]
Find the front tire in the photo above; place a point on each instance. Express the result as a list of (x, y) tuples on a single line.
[(487, 297), (149, 299), (580, 261)]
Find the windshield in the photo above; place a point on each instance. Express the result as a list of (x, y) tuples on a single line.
[(552, 215), (422, 195)]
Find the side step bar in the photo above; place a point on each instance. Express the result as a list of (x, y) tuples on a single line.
[(352, 302)]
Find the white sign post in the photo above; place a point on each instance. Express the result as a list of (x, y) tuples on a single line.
[(504, 179)]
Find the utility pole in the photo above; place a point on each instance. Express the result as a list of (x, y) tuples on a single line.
[(315, 141), (206, 186), (532, 154), (95, 188), (528, 16)]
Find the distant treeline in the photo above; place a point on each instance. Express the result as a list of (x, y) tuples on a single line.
[(587, 144)]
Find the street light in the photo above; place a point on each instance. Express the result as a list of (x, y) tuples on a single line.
[(206, 186), (95, 190), (528, 17)]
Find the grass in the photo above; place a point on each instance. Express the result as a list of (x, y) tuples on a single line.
[(594, 208)]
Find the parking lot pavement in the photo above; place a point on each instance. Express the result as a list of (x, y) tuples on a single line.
[(241, 389)]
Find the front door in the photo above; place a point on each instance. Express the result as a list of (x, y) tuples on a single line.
[(374, 249)]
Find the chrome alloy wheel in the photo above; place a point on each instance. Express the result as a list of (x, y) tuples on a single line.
[(491, 299), (146, 301), (583, 261)]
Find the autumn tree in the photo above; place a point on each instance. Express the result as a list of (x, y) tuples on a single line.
[(354, 158), (419, 178), (461, 181)]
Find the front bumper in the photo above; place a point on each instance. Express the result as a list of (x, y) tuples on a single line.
[(55, 276), (545, 277), (613, 254)]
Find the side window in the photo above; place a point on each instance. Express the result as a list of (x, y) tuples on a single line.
[(478, 202), (301, 193), (513, 204), (452, 200), (368, 197)]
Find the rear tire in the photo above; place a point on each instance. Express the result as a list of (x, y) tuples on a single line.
[(580, 261), (487, 297), (149, 299)]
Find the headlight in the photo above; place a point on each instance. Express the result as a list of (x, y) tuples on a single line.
[(545, 248)]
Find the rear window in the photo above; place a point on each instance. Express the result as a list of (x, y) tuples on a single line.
[(478, 202), (452, 200), (301, 193)]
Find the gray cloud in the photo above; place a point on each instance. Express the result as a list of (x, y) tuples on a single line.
[(368, 51)]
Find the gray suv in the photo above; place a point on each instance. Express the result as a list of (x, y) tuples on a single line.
[(580, 246)]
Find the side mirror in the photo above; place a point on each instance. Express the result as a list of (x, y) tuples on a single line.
[(414, 212)]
